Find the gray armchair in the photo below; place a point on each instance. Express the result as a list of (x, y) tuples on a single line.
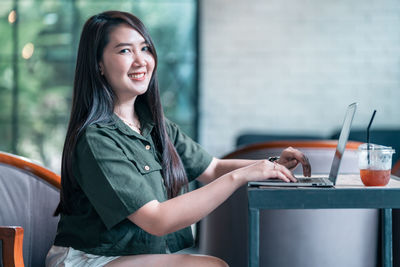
[(29, 194)]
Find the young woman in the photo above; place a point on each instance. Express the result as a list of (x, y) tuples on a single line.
[(125, 167)]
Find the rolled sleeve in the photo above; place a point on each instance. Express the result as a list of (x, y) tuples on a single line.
[(113, 184), (194, 158)]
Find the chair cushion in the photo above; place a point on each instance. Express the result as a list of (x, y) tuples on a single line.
[(28, 201)]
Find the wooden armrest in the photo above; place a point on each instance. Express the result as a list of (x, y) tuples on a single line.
[(12, 237)]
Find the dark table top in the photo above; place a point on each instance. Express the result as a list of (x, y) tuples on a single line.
[(349, 192)]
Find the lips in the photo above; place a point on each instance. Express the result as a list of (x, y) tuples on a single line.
[(137, 76)]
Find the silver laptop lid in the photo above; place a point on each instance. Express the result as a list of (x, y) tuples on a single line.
[(341, 145)]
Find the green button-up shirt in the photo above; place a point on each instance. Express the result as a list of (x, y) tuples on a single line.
[(118, 171)]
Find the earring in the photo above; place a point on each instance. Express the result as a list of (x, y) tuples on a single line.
[(101, 71)]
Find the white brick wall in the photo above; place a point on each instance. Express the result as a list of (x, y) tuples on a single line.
[(282, 66)]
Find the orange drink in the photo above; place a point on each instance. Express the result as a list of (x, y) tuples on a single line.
[(375, 177), (375, 164)]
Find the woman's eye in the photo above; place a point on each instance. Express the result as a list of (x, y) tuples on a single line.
[(146, 48), (124, 51)]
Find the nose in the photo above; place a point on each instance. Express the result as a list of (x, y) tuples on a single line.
[(139, 59)]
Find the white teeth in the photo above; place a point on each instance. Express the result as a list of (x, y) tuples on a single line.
[(136, 76)]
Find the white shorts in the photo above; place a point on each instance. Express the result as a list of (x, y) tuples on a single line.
[(69, 257)]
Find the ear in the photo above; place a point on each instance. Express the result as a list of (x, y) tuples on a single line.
[(101, 68)]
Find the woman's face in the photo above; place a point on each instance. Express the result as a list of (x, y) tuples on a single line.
[(127, 63)]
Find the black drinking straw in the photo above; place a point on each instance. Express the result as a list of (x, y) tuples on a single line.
[(369, 125)]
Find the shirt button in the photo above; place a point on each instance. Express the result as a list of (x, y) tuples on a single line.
[(147, 147), (147, 168)]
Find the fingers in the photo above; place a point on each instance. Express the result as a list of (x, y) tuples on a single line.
[(292, 154), (306, 166), (292, 164), (280, 175), (264, 169), (283, 173)]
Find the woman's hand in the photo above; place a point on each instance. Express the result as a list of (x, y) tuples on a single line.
[(263, 170), (291, 157)]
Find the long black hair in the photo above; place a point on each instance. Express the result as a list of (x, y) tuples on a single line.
[(93, 101)]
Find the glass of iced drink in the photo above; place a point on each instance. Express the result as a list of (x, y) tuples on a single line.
[(375, 163)]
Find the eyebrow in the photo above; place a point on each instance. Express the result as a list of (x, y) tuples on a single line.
[(128, 44)]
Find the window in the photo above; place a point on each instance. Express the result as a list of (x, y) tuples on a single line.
[(37, 62)]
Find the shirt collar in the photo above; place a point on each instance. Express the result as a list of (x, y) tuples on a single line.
[(145, 118)]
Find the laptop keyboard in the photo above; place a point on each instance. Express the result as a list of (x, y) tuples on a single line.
[(301, 180), (307, 180), (310, 180)]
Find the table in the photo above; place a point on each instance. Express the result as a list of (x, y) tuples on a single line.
[(349, 192)]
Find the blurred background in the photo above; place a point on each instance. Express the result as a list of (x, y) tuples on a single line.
[(290, 67), (39, 41), (226, 67)]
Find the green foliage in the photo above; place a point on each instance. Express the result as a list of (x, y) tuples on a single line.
[(45, 79)]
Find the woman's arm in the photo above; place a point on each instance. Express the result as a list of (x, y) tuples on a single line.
[(219, 167), (169, 216), (289, 158)]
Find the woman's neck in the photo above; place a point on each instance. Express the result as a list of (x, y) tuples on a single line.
[(126, 110)]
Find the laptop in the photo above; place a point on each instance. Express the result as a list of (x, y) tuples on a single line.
[(319, 181)]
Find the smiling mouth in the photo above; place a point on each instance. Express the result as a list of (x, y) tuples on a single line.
[(137, 76)]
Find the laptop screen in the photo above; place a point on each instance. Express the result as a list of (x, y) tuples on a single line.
[(341, 146)]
